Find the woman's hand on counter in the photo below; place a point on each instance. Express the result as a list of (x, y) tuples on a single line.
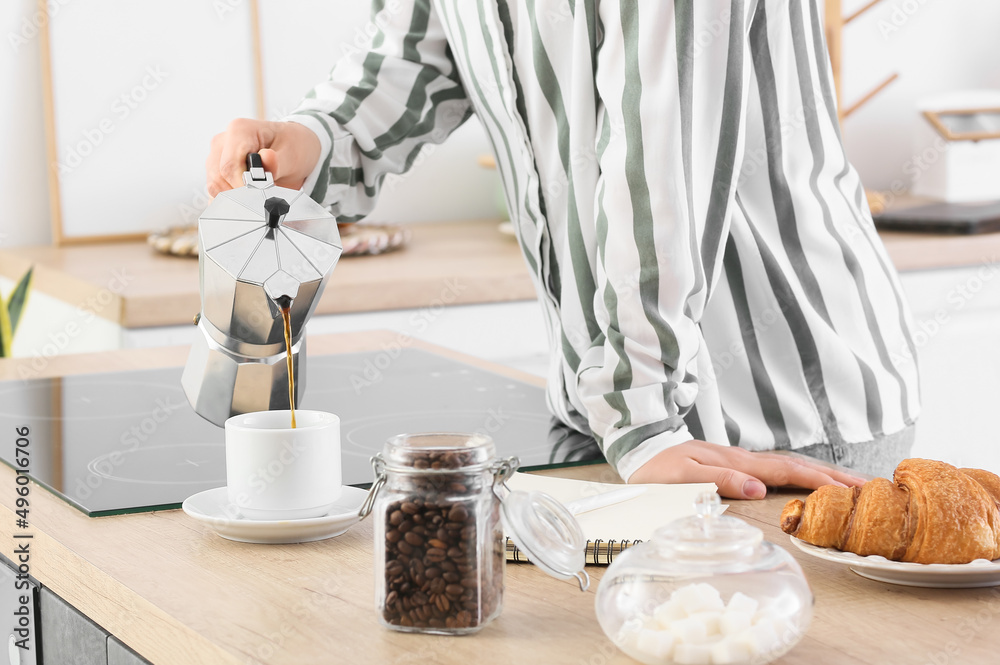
[(738, 473), (289, 152)]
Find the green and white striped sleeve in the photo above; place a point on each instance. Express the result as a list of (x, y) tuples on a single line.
[(641, 378), (381, 106)]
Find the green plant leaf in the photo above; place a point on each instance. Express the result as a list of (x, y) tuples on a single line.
[(6, 333), (18, 299)]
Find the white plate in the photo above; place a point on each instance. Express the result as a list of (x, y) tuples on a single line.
[(978, 573), (213, 508)]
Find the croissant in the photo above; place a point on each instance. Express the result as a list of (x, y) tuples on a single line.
[(932, 513)]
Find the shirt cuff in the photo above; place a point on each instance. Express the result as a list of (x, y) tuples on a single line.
[(323, 134), (631, 461)]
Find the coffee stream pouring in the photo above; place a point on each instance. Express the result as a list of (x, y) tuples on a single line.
[(260, 247)]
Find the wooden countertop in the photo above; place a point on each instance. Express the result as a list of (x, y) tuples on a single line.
[(448, 262), (445, 263), (178, 594)]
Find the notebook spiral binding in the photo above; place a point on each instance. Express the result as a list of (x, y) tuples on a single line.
[(599, 552)]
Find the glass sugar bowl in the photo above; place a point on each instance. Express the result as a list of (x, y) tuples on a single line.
[(440, 508), (705, 589)]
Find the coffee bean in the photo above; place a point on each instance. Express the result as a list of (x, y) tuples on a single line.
[(439, 573)]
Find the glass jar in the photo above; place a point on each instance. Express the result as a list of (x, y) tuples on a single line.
[(439, 548), (705, 589), (441, 508)]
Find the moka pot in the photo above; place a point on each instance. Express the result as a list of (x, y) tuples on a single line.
[(260, 247)]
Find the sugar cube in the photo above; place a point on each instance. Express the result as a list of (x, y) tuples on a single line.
[(710, 619), (668, 612), (730, 651), (741, 602), (693, 654), (689, 630), (732, 622), (656, 643), (698, 597), (765, 635)]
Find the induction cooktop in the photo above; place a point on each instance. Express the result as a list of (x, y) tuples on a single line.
[(125, 442)]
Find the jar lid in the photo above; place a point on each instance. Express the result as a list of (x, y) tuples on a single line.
[(708, 533), (547, 533)]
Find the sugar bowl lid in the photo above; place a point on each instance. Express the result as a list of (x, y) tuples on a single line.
[(708, 534)]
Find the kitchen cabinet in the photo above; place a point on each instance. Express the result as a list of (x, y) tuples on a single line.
[(68, 637), (18, 620), (509, 333), (56, 633), (956, 315), (119, 654)]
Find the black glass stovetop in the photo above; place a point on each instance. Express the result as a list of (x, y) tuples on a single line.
[(129, 442)]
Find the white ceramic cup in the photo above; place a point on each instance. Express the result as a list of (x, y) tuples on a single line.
[(274, 472)]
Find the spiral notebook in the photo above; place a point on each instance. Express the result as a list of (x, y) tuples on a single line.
[(611, 529)]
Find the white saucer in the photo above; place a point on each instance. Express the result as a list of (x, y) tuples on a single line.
[(213, 508), (978, 573)]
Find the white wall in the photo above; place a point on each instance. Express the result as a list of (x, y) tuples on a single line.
[(301, 41), (305, 38), (936, 46), (24, 219)]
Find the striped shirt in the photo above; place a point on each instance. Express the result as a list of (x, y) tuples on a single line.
[(701, 247)]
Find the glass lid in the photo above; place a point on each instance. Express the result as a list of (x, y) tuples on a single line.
[(547, 533), (708, 533)]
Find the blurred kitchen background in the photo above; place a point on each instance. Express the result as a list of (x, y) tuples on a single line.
[(934, 45)]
